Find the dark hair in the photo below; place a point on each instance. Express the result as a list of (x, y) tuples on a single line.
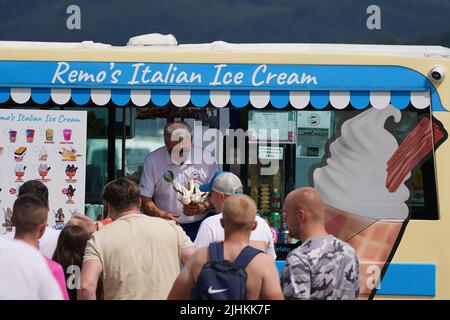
[(70, 250), (122, 194), (70, 247), (29, 211), (36, 188)]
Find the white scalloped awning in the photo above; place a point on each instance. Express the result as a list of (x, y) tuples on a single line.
[(318, 99)]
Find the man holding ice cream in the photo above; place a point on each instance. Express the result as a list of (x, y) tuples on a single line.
[(174, 165)]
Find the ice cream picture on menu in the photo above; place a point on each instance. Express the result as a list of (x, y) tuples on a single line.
[(67, 136), (74, 212), (19, 154), (71, 171), (19, 171), (43, 155), (8, 224), (29, 135), (69, 192), (59, 219), (43, 170), (69, 154), (12, 136), (49, 136)]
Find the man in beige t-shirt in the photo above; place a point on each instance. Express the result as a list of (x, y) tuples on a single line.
[(138, 256)]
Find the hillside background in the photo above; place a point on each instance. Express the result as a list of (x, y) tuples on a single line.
[(196, 21)]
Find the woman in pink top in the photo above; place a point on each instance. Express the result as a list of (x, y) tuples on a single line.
[(58, 274)]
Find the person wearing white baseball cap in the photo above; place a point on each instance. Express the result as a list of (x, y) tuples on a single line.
[(222, 186)]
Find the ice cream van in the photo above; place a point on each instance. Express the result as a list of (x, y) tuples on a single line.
[(366, 125)]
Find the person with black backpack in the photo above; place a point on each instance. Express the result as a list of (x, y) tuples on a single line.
[(230, 270)]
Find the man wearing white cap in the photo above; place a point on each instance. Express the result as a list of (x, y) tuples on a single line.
[(222, 186)]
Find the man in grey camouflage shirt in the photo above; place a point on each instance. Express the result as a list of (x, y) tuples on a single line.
[(323, 267)]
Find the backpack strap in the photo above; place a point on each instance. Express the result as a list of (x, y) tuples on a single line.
[(246, 255), (216, 251)]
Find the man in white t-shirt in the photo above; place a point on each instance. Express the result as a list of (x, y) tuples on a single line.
[(24, 274), (179, 161), (47, 243), (222, 186)]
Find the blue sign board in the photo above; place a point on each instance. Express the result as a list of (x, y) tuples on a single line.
[(138, 75)]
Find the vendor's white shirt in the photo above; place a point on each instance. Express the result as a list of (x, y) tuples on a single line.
[(212, 231), (24, 273), (47, 243), (153, 184)]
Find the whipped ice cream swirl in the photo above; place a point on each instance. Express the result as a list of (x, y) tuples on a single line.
[(354, 178)]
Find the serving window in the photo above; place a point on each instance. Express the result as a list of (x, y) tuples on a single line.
[(379, 162), (305, 146)]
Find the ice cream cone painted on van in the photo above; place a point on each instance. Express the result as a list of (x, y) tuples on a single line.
[(363, 185)]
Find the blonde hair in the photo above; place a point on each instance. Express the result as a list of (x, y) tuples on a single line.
[(239, 212)]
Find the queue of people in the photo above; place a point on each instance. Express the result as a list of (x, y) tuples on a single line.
[(139, 256), (157, 248)]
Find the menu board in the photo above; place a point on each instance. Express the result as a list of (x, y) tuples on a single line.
[(272, 126), (273, 153), (48, 146)]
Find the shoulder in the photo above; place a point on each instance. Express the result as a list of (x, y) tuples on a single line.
[(263, 257), (347, 249), (200, 257), (135, 218), (156, 154), (337, 244), (19, 253), (213, 221), (8, 246), (158, 222), (164, 226), (98, 236), (298, 256), (262, 262)]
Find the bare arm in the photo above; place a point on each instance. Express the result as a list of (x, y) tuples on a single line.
[(186, 253), (183, 284), (89, 278), (150, 208), (270, 288)]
